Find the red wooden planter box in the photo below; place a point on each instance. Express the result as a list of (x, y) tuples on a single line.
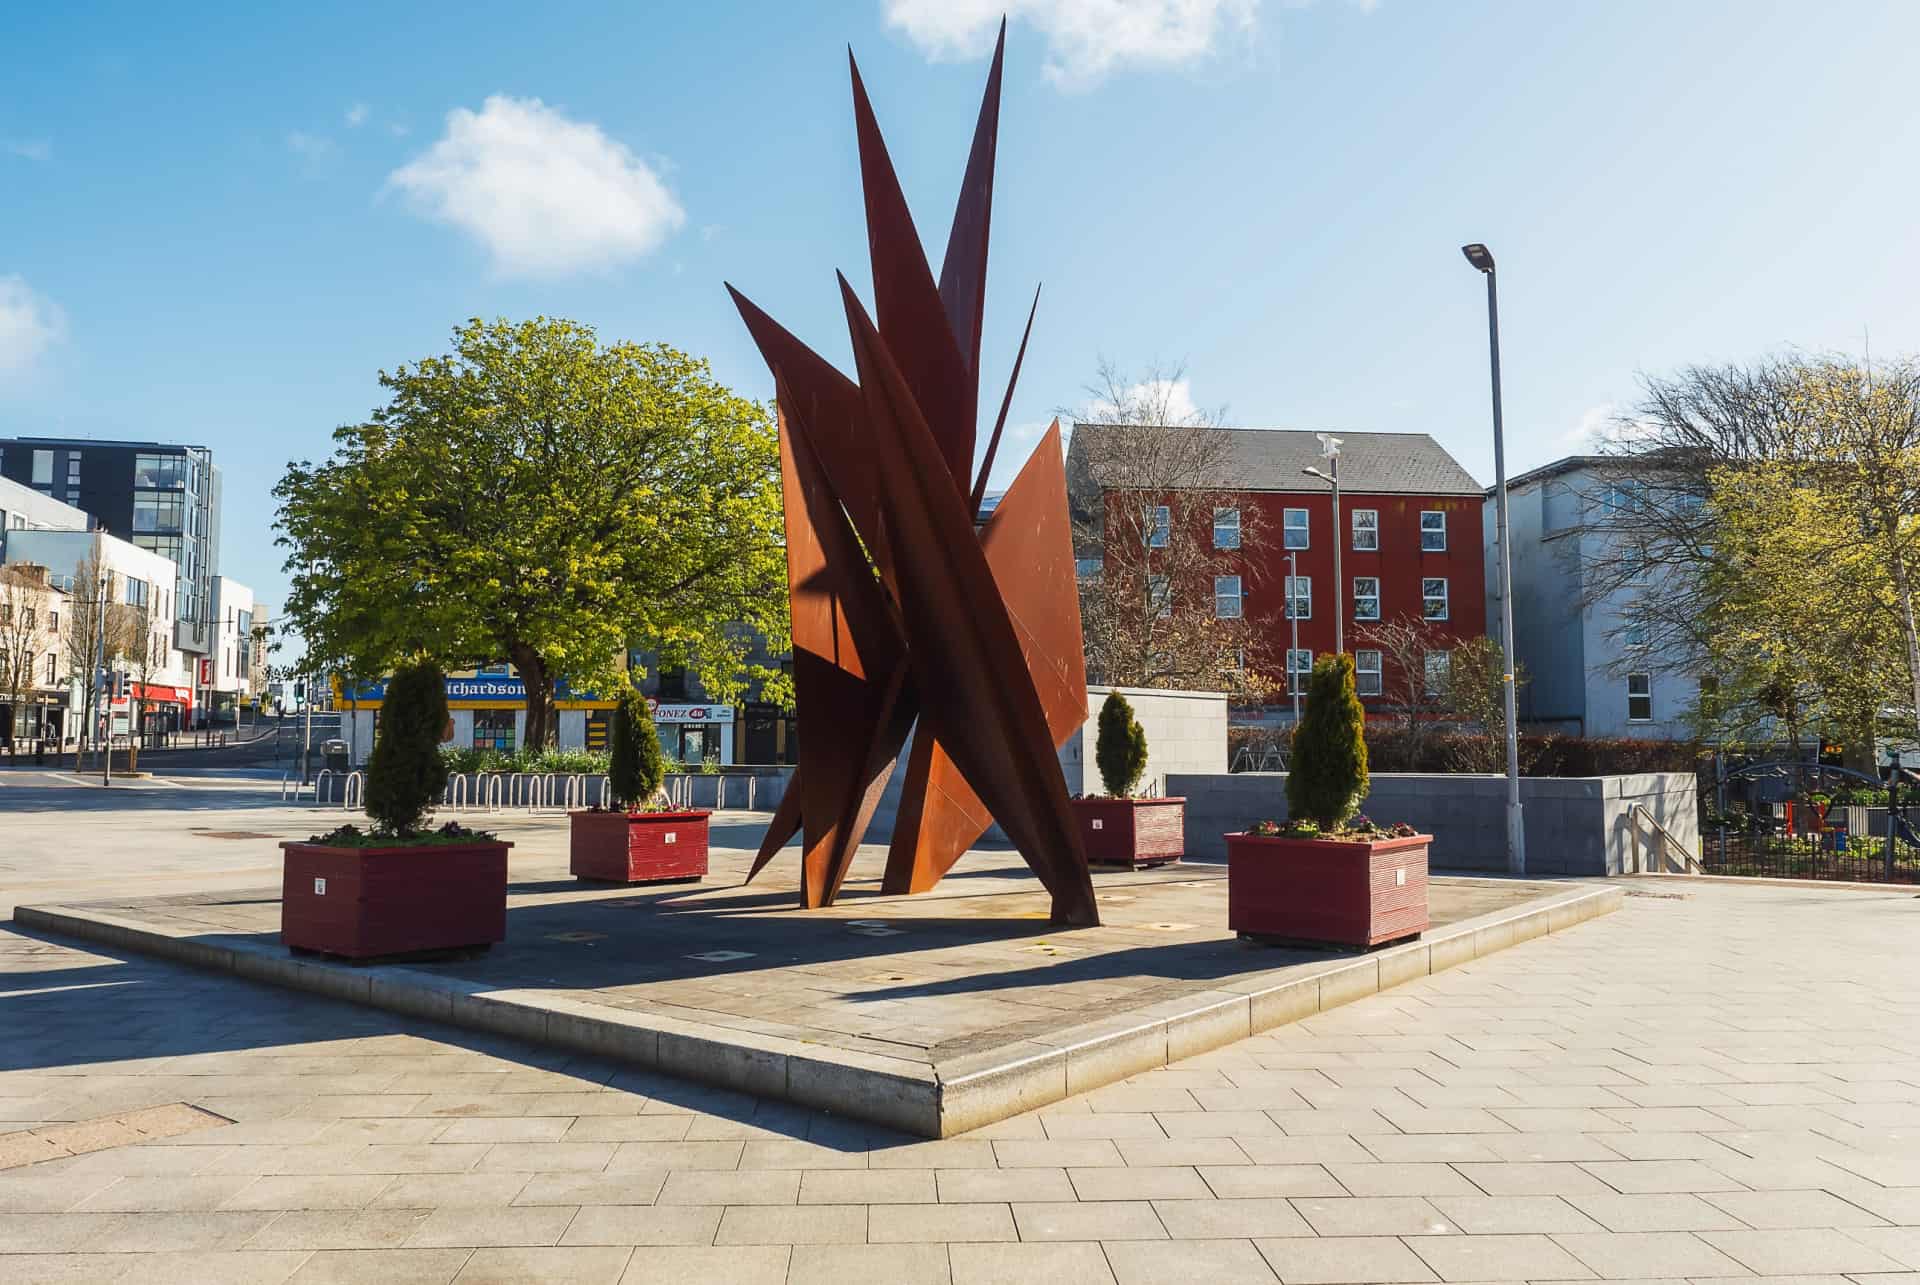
[(638, 847), (1132, 832), (365, 902), (1333, 891)]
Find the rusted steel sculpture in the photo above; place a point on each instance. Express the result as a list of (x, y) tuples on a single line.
[(904, 619)]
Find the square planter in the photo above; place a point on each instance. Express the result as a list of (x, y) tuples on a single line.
[(1132, 832), (638, 847), (366, 902), (1336, 892)]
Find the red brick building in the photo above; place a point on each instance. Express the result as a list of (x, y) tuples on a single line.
[(1409, 531)]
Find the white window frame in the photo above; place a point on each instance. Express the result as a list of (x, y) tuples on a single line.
[(1437, 662), (1645, 681), (1159, 526), (1370, 528), (1226, 523), (1367, 672), (1299, 593), (1228, 588), (1428, 597), (1289, 529), (1359, 612), (1299, 667), (1160, 589), (1427, 529)]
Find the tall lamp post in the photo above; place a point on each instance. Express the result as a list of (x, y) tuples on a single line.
[(1482, 260), (1330, 451)]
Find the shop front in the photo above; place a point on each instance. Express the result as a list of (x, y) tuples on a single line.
[(693, 733)]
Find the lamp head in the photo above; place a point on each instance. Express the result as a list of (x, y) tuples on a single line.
[(1479, 256), (1310, 471)]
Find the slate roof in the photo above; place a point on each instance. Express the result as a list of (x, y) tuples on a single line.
[(1270, 459)]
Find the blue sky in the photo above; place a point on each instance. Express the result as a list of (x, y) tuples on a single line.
[(217, 223)]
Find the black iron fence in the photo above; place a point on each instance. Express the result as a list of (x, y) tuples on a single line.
[(1810, 821)]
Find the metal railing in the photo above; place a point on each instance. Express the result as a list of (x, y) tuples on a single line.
[(1661, 846)]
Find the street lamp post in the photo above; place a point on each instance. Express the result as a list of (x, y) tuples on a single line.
[(1293, 648), (103, 718), (1330, 451), (1482, 259)]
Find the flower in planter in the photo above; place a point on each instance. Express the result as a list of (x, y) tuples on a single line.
[(1120, 750)]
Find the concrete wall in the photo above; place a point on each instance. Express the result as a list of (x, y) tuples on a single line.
[(1186, 733), (1574, 825)]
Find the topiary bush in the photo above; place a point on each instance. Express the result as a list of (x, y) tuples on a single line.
[(634, 769), (1120, 750), (406, 775), (1327, 777)]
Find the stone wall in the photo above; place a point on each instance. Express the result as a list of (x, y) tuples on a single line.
[(1186, 733), (1574, 825)]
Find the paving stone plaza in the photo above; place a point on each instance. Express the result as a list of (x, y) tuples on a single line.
[(1710, 1082)]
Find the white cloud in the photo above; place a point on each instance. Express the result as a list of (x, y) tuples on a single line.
[(1086, 39), (544, 194), (357, 115), (1594, 422), (32, 149), (30, 323), (1152, 401), (312, 146)]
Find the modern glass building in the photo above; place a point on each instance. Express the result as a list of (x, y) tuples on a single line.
[(156, 495)]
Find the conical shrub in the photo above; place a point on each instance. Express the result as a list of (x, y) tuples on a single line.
[(406, 774), (1327, 777), (1120, 748), (634, 770)]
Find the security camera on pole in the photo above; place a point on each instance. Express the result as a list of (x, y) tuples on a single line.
[(1330, 452)]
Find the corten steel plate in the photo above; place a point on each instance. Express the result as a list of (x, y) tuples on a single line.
[(900, 611)]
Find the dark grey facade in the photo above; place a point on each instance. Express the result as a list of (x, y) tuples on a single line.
[(156, 495)]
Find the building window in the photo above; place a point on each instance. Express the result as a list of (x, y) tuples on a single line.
[(1622, 498), (53, 622), (159, 511), (1087, 568), (1366, 597), (1366, 672), (162, 472), (1300, 666), (1639, 698), (1433, 531), (1636, 633), (1438, 669), (493, 730), (1366, 530), (1159, 597), (136, 592), (1226, 528), (53, 671), (1159, 526), (1299, 597), (43, 468), (1295, 531), (1433, 594), (1226, 597)]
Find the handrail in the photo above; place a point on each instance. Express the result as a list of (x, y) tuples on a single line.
[(1689, 861)]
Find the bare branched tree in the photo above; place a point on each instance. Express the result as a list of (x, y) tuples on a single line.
[(1418, 700), (1156, 520), (89, 632), (26, 596)]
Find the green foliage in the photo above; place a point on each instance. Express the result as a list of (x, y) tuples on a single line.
[(633, 753), (461, 760), (540, 498), (352, 836), (1120, 749), (1328, 774), (406, 774)]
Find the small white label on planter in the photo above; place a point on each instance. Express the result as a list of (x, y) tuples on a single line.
[(319, 887), (1400, 877), (1099, 824), (671, 836)]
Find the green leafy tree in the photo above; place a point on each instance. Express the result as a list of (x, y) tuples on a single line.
[(539, 498), (634, 770), (1120, 749), (1328, 776), (406, 774)]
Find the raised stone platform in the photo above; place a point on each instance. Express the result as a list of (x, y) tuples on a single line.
[(934, 1014)]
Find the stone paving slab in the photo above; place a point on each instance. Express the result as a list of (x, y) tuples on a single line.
[(934, 1014)]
